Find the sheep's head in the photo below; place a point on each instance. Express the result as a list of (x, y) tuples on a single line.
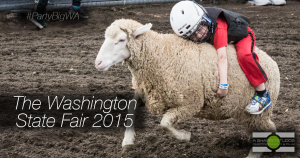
[(114, 49)]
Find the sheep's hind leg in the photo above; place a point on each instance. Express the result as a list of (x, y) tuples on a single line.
[(265, 125), (168, 119), (129, 135)]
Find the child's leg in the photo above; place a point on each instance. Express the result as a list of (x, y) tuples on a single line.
[(249, 63)]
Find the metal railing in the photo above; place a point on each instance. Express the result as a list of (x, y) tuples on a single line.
[(58, 4)]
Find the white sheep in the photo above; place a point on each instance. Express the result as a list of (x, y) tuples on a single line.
[(180, 79)]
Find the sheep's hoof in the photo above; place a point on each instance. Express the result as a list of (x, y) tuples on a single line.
[(184, 135), (178, 134), (126, 149)]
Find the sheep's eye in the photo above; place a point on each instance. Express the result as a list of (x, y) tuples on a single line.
[(121, 40)]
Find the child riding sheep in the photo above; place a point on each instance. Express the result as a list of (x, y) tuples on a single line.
[(220, 27)]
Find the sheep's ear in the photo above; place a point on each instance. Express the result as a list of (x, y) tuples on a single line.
[(142, 30)]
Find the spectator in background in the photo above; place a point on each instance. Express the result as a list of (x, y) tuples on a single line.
[(39, 20), (267, 2)]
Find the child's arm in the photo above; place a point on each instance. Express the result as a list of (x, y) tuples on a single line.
[(222, 65), (220, 43)]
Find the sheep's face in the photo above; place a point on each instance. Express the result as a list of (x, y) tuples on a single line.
[(113, 51), (114, 48)]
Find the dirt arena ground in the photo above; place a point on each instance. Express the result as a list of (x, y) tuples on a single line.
[(59, 61)]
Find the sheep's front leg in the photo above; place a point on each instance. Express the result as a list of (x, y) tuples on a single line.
[(129, 137), (168, 119)]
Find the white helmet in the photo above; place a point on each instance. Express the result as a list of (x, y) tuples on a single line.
[(186, 16)]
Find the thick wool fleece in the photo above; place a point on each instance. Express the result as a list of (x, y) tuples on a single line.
[(180, 76)]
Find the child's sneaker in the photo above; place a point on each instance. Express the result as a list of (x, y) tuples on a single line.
[(259, 104), (39, 21), (81, 13)]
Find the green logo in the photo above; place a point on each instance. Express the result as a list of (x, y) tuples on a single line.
[(273, 142)]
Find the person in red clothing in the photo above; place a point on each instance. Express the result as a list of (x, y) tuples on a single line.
[(219, 27)]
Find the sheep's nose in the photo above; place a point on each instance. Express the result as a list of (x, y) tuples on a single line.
[(98, 63)]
